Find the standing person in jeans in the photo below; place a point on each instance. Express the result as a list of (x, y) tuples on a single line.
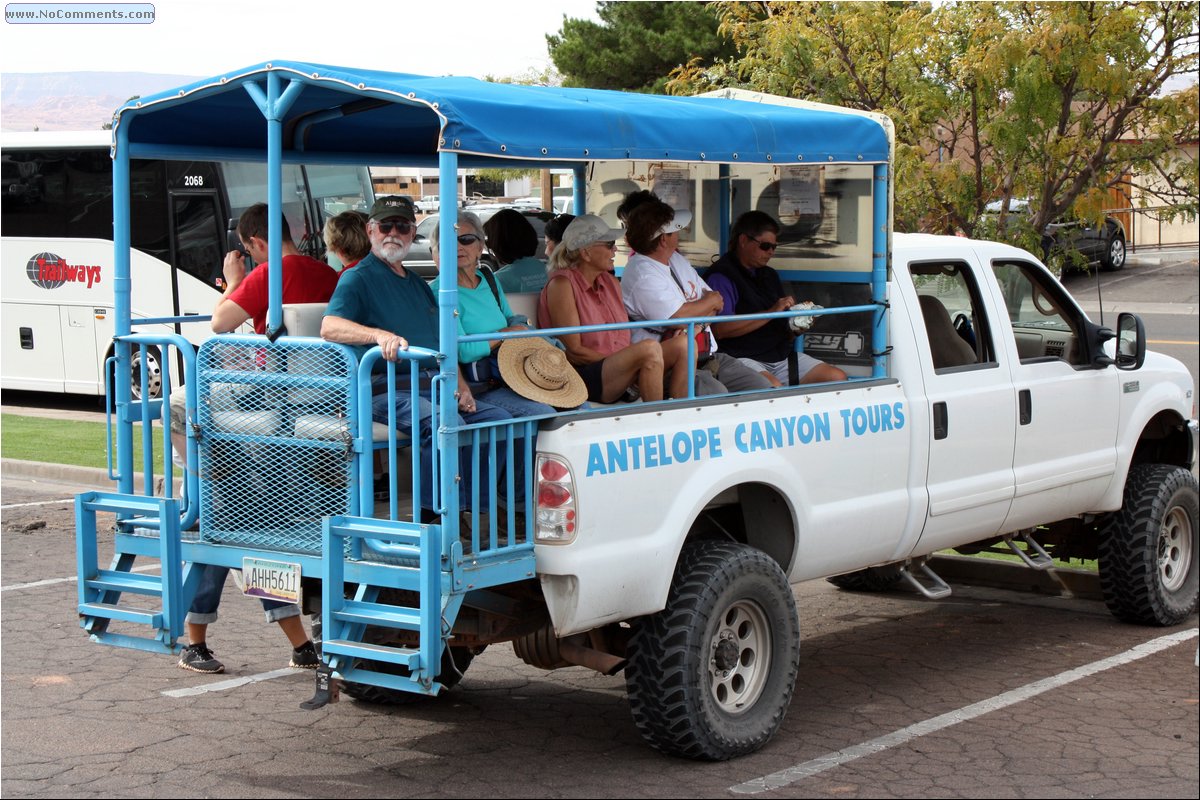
[(305, 280), (748, 286)]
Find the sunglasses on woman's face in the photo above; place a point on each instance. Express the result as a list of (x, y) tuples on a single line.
[(402, 226), (468, 239)]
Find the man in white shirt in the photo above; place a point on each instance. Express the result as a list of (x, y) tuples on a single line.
[(658, 283)]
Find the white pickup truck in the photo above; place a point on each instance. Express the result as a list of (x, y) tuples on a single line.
[(656, 538), (1024, 421)]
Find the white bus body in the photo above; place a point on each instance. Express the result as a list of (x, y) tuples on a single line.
[(56, 252)]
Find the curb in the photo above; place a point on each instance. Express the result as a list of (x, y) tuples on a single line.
[(66, 474)]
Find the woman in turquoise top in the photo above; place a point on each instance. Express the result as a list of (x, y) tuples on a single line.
[(483, 308)]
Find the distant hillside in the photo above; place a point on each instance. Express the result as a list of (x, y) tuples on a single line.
[(61, 101)]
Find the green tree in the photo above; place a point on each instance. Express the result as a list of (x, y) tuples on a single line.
[(636, 44), (1056, 102)]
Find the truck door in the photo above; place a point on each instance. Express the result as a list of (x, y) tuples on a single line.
[(971, 404), (1066, 436)]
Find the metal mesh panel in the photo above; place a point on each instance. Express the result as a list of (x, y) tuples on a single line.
[(275, 441)]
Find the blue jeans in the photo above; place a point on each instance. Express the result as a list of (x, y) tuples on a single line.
[(513, 403), (208, 598), (484, 412)]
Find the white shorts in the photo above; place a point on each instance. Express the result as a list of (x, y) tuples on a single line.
[(804, 365)]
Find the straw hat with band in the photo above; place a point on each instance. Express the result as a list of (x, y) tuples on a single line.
[(537, 370)]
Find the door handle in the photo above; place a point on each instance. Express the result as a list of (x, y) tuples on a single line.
[(1025, 402), (941, 423)]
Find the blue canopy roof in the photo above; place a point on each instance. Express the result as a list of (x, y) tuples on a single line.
[(386, 117)]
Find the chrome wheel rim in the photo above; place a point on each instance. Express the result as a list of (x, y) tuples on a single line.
[(153, 375), (740, 657), (1116, 252), (1175, 549)]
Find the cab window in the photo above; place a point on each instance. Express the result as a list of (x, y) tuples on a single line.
[(958, 330), (1046, 323)]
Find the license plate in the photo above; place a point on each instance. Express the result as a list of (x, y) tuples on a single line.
[(271, 580)]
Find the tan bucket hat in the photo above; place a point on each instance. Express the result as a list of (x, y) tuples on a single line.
[(537, 370)]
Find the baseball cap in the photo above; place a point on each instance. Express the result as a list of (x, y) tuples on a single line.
[(587, 230), (396, 205), (680, 221)]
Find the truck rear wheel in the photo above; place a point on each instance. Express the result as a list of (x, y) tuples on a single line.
[(711, 675), (1147, 550)]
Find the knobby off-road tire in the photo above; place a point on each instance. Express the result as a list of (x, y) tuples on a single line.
[(872, 579), (711, 675), (1147, 550)]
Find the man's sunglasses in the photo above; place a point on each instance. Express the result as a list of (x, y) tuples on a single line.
[(766, 247), (402, 226)]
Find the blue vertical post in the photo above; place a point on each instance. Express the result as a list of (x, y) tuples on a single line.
[(275, 204), (579, 190), (880, 245), (447, 433), (122, 307), (274, 106), (724, 205), (448, 330)]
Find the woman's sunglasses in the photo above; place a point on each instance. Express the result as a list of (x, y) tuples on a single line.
[(468, 239)]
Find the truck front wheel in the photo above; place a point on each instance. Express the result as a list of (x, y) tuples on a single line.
[(711, 675), (1147, 550)]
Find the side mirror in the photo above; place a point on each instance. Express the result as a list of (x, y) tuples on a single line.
[(1131, 342)]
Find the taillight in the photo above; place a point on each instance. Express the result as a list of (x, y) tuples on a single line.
[(556, 523)]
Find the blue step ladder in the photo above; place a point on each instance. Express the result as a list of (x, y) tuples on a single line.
[(415, 554), (411, 557), (101, 591)]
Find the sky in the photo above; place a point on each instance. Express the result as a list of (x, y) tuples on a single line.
[(500, 38)]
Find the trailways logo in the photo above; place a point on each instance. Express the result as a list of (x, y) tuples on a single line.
[(50, 272)]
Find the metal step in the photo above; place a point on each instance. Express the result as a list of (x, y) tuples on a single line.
[(938, 588), (123, 613), (108, 580), (364, 613), (402, 656), (1039, 560)]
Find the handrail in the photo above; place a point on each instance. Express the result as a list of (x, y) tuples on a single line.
[(191, 511)]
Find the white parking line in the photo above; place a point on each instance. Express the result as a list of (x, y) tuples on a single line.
[(70, 500), (233, 683), (72, 579), (786, 777)]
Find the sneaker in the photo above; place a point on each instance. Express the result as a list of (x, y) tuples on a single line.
[(305, 657), (198, 658)]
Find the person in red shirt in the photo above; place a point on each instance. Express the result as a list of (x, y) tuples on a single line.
[(305, 280)]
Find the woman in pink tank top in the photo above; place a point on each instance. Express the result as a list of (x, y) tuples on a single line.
[(581, 290)]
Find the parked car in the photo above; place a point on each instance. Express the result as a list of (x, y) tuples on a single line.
[(1061, 239), (429, 204)]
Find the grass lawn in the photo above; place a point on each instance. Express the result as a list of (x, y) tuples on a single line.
[(60, 441), (1088, 565)]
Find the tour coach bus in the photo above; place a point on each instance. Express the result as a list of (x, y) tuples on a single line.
[(58, 248)]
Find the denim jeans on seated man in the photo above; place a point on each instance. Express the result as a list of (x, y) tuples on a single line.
[(484, 412)]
